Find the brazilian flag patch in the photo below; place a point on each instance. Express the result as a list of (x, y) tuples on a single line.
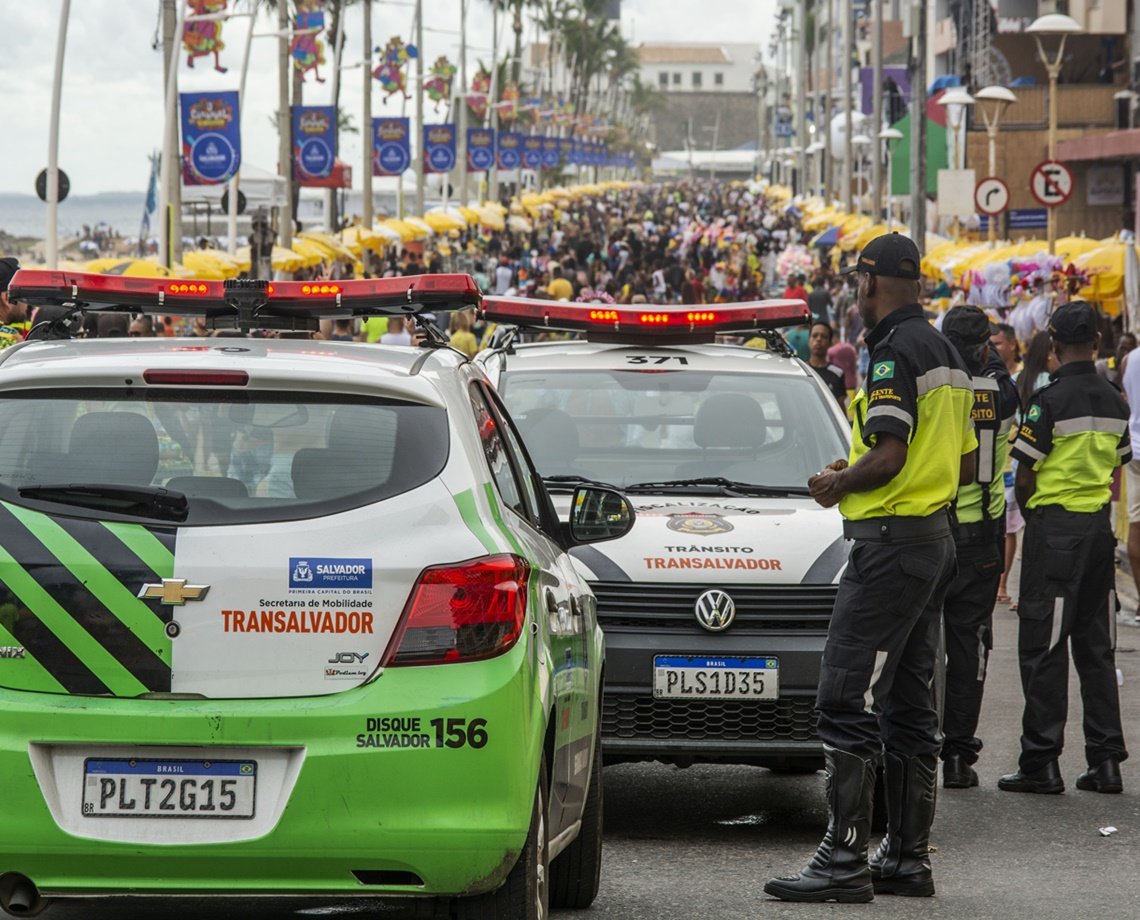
[(1034, 413), (884, 370)]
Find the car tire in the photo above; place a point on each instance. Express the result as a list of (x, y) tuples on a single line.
[(525, 895), (576, 873)]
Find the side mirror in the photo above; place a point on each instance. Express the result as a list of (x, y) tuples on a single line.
[(598, 514)]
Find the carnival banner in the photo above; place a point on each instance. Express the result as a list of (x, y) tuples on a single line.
[(391, 146), (439, 148), (314, 141), (391, 72), (566, 151), (306, 47), (509, 150), (438, 84), (532, 152), (550, 153), (480, 149), (211, 137)]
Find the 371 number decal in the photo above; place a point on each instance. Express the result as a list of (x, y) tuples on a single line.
[(457, 733), (655, 359)]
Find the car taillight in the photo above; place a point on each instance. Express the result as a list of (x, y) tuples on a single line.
[(462, 612)]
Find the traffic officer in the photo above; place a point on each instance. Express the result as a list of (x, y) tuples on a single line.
[(979, 535), (1073, 435), (912, 442), (13, 313)]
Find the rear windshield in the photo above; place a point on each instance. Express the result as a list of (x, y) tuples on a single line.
[(625, 427), (239, 458)]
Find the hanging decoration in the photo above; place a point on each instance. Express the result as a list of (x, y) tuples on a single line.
[(391, 72), (306, 47), (508, 109), (438, 85), (203, 38), (477, 99)]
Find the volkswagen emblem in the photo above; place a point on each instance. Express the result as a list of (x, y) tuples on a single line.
[(715, 610)]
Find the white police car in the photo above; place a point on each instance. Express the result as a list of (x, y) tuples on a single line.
[(716, 606), (287, 617)]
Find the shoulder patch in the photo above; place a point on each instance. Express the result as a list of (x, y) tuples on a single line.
[(1034, 413), (884, 370)]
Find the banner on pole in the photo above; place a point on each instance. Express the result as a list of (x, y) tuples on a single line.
[(480, 149), (532, 151), (550, 153), (439, 148), (211, 137), (314, 142), (510, 150), (391, 146)]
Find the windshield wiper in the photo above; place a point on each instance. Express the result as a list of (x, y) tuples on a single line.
[(143, 501), (725, 486), (569, 483)]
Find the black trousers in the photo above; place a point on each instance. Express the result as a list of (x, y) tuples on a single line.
[(878, 663), (968, 620), (1068, 596)]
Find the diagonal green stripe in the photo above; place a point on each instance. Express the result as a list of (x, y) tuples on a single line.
[(26, 673), (497, 514), (465, 501), (102, 663), (130, 611), (145, 545)]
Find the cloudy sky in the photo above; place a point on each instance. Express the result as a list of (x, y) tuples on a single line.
[(112, 108)]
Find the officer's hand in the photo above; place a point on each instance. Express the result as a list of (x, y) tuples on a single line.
[(826, 488), (837, 465)]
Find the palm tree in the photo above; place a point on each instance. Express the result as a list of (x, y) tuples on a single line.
[(516, 7)]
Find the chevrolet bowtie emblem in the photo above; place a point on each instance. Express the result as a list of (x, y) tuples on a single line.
[(174, 591)]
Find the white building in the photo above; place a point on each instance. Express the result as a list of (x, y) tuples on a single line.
[(694, 68)]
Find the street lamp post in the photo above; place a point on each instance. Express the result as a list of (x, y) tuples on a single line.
[(889, 136), (1064, 26), (815, 148), (992, 102), (860, 142), (955, 100)]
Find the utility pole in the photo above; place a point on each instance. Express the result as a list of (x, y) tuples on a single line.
[(460, 99), (877, 112), (420, 108), (827, 170), (284, 125), (918, 127), (367, 128), (848, 147), (492, 110), (799, 29), (338, 53), (52, 197), (170, 233)]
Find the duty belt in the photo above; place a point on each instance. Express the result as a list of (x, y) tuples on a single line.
[(979, 531), (898, 529)]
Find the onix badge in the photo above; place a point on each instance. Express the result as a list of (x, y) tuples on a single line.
[(174, 591), (715, 610)]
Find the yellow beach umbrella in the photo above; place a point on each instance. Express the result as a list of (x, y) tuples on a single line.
[(285, 260), (1105, 265), (1069, 247), (492, 218), (332, 246), (135, 268), (407, 231), (207, 264), (520, 224), (424, 228), (441, 221), (357, 239)]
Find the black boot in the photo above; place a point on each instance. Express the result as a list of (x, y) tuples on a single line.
[(901, 865), (1104, 777), (957, 774), (838, 871)]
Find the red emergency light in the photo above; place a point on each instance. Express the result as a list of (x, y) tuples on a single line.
[(637, 322), (307, 300)]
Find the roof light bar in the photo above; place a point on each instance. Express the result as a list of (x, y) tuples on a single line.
[(279, 299), (622, 323)]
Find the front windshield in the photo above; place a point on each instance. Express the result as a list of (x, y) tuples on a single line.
[(625, 427)]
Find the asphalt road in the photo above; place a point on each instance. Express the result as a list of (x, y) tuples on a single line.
[(699, 843)]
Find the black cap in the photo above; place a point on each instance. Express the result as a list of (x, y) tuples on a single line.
[(966, 325), (8, 268), (1073, 323), (891, 255)]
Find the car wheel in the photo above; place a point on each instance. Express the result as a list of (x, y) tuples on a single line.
[(525, 895), (576, 872)]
